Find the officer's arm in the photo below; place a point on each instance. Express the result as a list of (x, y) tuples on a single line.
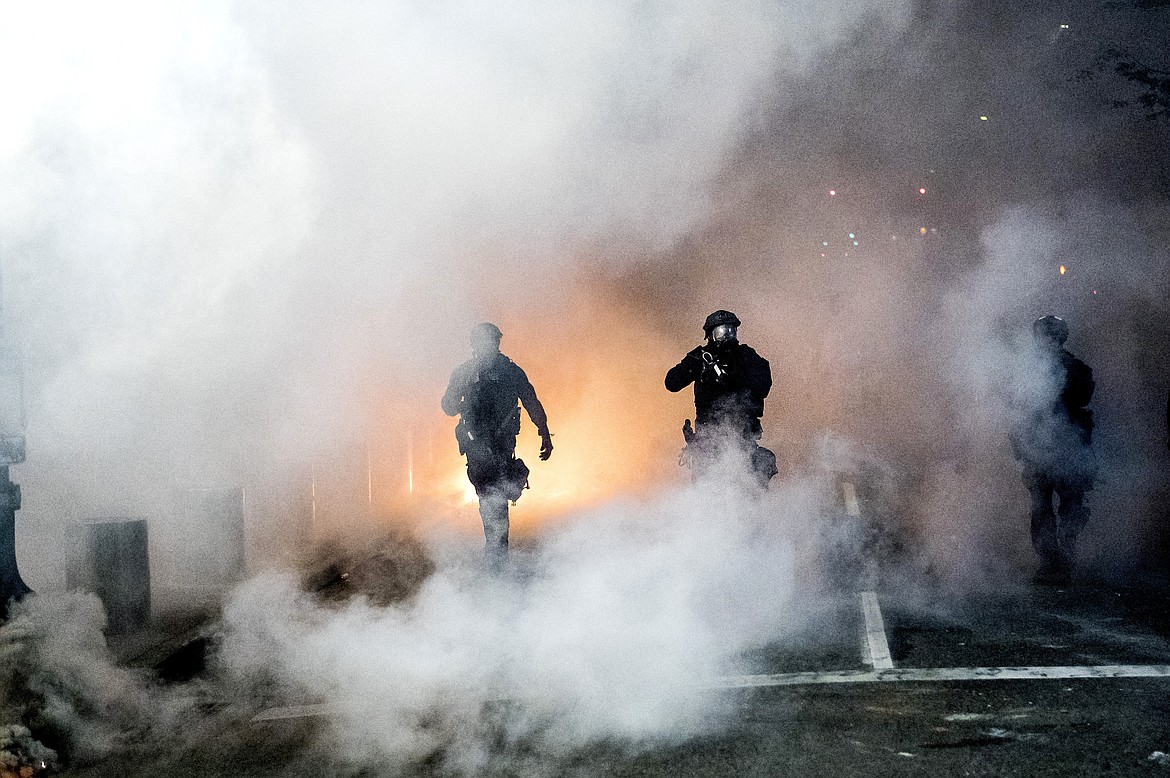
[(1080, 384), (535, 411), (758, 375), (453, 398), (531, 403), (527, 394), (685, 372)]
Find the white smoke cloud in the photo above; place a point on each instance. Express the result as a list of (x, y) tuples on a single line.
[(231, 224), (629, 615), (59, 675), (613, 631), (222, 216)]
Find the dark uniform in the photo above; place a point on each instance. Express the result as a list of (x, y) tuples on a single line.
[(485, 393), (731, 382), (1054, 445)]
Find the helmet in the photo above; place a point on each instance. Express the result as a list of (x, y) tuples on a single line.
[(485, 337), (1051, 328), (717, 318)]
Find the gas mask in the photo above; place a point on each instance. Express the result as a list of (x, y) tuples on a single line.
[(723, 333)]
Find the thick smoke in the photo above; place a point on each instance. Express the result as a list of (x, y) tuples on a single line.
[(243, 244), (633, 611), (896, 224), (615, 634), (59, 677), (238, 233)]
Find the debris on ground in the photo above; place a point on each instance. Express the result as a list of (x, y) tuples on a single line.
[(22, 756)]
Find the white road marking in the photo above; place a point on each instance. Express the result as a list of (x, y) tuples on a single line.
[(970, 717), (292, 712), (945, 674), (852, 507), (877, 649), (893, 675)]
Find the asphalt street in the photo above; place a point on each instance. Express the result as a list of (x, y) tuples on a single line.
[(831, 704), (1033, 680), (821, 726)]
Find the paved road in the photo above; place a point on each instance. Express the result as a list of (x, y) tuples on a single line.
[(1054, 726), (804, 721), (1061, 681)]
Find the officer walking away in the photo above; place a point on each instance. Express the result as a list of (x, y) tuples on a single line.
[(1053, 442), (731, 381), (485, 393)]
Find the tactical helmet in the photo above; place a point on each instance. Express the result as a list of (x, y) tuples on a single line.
[(486, 333), (1050, 328), (717, 318)]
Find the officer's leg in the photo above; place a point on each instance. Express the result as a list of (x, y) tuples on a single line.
[(1074, 515), (699, 452), (763, 465), (493, 509), (1043, 521)]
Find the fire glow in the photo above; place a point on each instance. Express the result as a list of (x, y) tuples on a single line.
[(614, 432)]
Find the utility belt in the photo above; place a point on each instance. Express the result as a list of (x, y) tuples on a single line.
[(700, 446), (491, 460), (475, 440)]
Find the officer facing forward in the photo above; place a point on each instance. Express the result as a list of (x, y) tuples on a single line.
[(484, 392), (731, 381), (1053, 443)]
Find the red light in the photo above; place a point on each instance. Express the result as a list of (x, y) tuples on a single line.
[(922, 190)]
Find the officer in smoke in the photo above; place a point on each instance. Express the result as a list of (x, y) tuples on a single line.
[(485, 392), (731, 381), (1053, 442)]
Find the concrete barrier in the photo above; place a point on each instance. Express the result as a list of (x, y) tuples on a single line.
[(110, 557)]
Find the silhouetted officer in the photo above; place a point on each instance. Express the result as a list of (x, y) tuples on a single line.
[(1054, 444), (485, 392), (731, 381)]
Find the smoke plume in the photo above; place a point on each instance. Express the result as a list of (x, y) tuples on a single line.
[(242, 244)]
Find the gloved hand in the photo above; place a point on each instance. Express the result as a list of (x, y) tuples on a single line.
[(714, 369), (546, 446)]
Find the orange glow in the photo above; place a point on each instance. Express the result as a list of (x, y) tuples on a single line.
[(596, 344), (466, 490), (615, 427), (1063, 269)]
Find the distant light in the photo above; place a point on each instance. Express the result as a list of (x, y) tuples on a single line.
[(933, 230), (893, 237), (982, 118), (1063, 269), (922, 190), (851, 235), (855, 243), (832, 193), (824, 243), (824, 255), (1065, 27), (1094, 291), (922, 230)]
